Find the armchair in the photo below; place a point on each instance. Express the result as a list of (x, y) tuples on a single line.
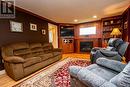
[(105, 73), (115, 50)]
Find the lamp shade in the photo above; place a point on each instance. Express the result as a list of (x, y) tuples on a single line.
[(116, 32)]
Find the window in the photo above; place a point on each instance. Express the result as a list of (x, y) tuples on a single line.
[(87, 31)]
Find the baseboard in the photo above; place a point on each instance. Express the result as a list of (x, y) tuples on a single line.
[(2, 72)]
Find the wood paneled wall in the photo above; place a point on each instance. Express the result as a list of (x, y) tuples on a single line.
[(89, 24), (96, 39)]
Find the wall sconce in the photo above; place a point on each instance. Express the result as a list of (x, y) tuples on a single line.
[(43, 31)]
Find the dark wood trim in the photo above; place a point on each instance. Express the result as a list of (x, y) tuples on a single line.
[(105, 18), (33, 14), (126, 11), (88, 22), (66, 24)]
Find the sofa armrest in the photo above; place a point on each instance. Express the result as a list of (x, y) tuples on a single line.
[(111, 64), (57, 49), (109, 53), (14, 59)]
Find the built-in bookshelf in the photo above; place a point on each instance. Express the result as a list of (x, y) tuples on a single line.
[(108, 24)]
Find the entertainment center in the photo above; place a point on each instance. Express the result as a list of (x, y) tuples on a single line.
[(66, 38), (79, 38)]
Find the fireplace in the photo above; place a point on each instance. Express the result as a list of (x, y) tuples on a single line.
[(86, 46)]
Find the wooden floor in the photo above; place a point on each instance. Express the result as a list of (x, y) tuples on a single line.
[(6, 81), (75, 55)]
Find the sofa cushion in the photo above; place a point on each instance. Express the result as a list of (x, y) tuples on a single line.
[(21, 49), (31, 61), (112, 64), (37, 51), (110, 48), (108, 84), (73, 70), (46, 56), (21, 45), (56, 53), (35, 45), (101, 71), (123, 78), (47, 48), (90, 78), (22, 53)]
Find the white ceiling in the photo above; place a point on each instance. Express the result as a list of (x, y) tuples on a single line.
[(65, 11)]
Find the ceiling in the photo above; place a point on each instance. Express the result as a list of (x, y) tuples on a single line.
[(66, 11)]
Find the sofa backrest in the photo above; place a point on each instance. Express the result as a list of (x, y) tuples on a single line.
[(36, 49), (111, 42), (122, 48), (47, 47), (17, 49), (26, 50)]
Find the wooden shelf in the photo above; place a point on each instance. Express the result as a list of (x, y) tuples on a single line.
[(108, 24), (112, 24), (107, 31)]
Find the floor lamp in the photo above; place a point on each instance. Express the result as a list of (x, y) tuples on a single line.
[(115, 32)]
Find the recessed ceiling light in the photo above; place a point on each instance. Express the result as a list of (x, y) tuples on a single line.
[(75, 20), (94, 16)]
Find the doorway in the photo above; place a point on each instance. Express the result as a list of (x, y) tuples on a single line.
[(53, 35)]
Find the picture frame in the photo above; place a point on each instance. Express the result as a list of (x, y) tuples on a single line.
[(43, 31), (16, 26), (33, 27)]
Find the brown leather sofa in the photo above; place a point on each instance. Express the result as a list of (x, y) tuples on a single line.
[(22, 59)]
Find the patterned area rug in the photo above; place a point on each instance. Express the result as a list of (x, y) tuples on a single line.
[(54, 76)]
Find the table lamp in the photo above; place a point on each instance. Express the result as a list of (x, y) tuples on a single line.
[(115, 32)]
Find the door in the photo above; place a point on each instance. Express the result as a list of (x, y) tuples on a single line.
[(53, 35)]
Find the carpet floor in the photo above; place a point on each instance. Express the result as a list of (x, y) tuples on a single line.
[(54, 76)]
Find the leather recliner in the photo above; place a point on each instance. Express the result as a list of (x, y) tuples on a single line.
[(115, 50)]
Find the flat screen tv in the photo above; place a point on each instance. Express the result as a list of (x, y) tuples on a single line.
[(87, 31), (66, 32)]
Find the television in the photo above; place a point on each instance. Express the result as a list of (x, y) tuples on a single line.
[(66, 32), (87, 31)]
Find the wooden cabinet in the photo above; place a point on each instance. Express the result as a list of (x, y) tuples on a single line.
[(108, 24), (66, 37), (67, 45)]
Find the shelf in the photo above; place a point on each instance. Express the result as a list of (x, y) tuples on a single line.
[(108, 25), (111, 25), (107, 31)]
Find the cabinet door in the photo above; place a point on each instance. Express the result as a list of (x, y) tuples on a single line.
[(71, 46), (68, 45)]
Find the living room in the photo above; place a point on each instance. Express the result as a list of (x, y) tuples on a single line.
[(65, 43)]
